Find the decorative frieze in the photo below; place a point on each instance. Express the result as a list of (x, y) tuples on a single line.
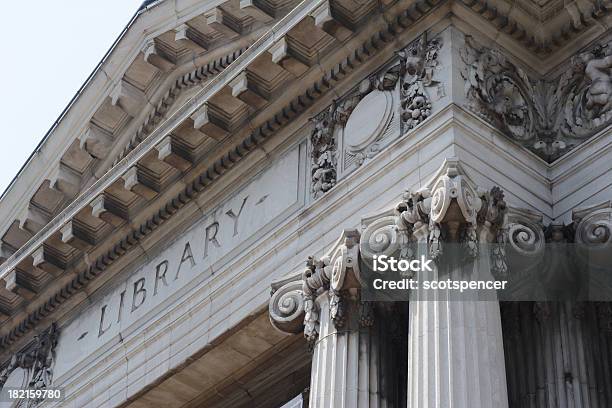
[(353, 128), (549, 116)]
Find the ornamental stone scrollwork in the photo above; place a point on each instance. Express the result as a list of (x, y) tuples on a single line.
[(594, 225), (37, 359), (499, 91), (593, 235), (370, 115), (293, 307), (286, 307), (449, 209), (558, 262), (518, 249), (549, 116), (362, 121), (323, 140), (323, 152), (417, 64)]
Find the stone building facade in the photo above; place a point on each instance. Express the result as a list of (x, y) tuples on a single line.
[(192, 231)]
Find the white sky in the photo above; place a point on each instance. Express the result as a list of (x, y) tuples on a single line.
[(49, 48)]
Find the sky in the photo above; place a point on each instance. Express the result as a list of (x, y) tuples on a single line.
[(49, 49)]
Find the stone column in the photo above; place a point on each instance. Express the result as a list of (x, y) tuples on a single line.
[(455, 345), (324, 300), (455, 351), (345, 362), (558, 346)]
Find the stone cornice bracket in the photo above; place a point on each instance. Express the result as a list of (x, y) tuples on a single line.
[(37, 359), (292, 306)]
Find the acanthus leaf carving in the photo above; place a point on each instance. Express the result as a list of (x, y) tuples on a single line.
[(499, 91), (549, 116)]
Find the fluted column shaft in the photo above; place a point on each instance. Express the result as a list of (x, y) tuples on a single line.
[(345, 362), (455, 348)]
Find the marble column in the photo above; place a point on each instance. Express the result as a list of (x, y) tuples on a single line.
[(345, 362), (348, 362), (455, 345), (455, 351)]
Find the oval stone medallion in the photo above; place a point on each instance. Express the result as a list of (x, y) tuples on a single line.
[(369, 118)]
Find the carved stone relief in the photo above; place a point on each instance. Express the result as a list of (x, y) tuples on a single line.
[(37, 360), (449, 209), (388, 103), (323, 152), (558, 262), (549, 116), (418, 62)]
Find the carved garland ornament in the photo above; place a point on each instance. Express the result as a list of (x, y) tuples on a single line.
[(414, 71), (548, 117), (417, 64)]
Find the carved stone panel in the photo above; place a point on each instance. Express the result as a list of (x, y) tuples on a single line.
[(548, 115), (34, 366)]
